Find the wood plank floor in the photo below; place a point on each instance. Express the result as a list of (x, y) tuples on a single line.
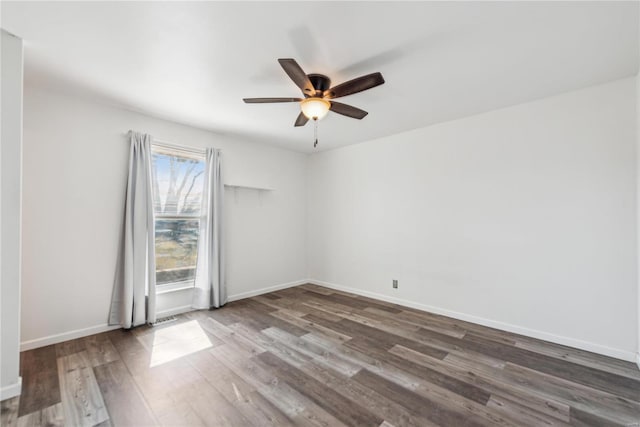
[(311, 356)]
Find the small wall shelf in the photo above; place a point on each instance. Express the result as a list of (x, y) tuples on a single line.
[(249, 187)]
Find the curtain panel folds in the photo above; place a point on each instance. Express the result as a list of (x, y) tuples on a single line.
[(210, 288), (133, 299)]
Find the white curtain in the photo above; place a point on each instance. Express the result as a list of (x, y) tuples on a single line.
[(134, 299), (210, 287)]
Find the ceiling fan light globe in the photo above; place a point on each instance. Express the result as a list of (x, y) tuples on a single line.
[(315, 108)]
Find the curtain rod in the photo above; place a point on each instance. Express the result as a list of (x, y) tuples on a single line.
[(171, 145), (168, 144)]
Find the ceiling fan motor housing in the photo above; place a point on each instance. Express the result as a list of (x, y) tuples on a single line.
[(320, 83)]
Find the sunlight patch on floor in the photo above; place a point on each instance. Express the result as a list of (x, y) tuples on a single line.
[(177, 341)]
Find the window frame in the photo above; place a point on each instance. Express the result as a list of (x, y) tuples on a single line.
[(172, 150)]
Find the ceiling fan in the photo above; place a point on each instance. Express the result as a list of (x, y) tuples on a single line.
[(319, 95)]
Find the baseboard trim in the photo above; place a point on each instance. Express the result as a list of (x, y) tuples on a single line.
[(79, 333), (266, 290), (66, 336), (533, 333), (11, 390)]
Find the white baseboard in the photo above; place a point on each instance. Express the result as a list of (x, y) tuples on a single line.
[(11, 390), (546, 336), (65, 336), (79, 333), (638, 360), (250, 294)]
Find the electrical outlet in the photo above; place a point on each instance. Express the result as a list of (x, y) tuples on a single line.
[(395, 284)]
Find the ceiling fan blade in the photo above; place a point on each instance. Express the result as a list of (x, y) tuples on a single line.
[(354, 86), (268, 100), (297, 74), (301, 120), (347, 110)]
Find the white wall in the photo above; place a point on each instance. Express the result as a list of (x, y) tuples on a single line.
[(10, 178), (522, 218), (75, 169)]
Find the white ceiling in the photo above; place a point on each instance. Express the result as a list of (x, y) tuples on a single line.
[(194, 62)]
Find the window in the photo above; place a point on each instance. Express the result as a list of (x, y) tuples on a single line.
[(178, 185)]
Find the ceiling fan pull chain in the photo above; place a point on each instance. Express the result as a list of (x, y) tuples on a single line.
[(315, 132)]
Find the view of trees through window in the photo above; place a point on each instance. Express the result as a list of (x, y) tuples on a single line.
[(178, 184)]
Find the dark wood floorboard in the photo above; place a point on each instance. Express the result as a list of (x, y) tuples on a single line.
[(40, 386), (312, 356)]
